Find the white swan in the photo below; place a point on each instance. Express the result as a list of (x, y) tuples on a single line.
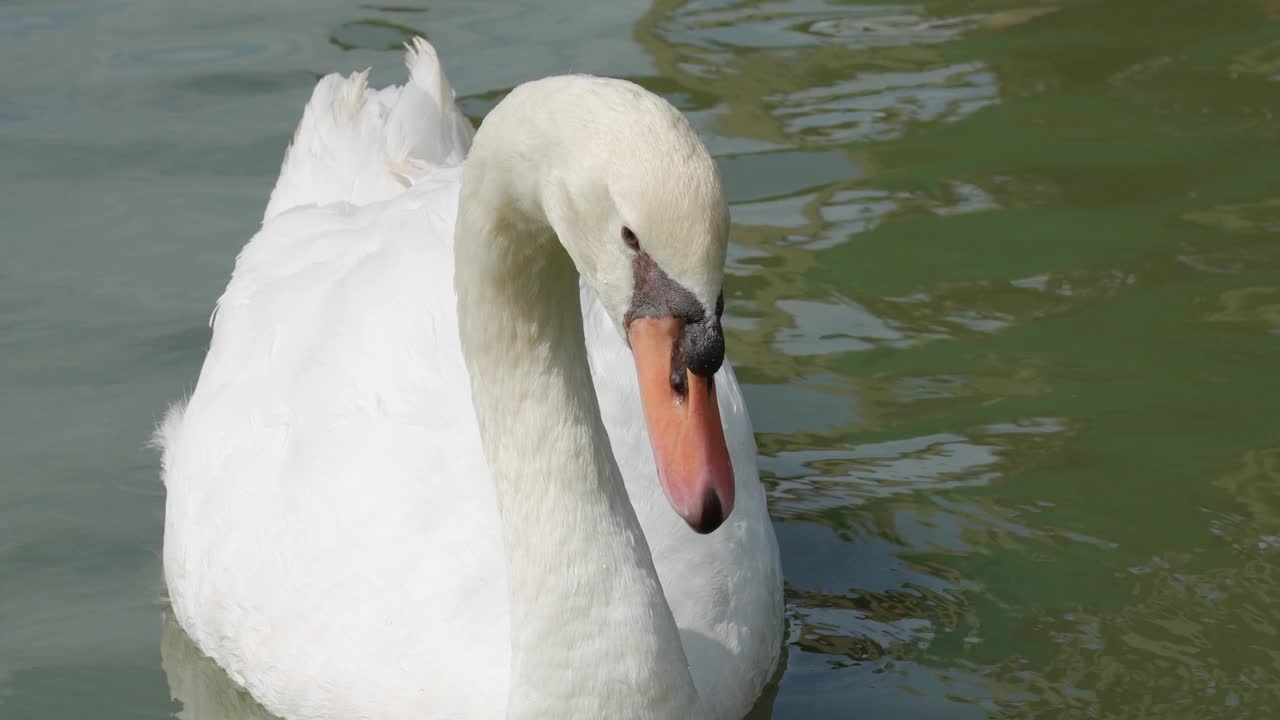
[(388, 499)]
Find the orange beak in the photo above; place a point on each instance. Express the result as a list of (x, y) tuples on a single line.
[(684, 427)]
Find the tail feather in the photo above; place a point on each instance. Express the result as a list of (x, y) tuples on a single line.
[(359, 145), (426, 123)]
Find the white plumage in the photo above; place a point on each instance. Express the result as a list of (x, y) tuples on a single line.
[(332, 535)]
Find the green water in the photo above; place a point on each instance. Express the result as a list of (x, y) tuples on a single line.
[(1005, 294)]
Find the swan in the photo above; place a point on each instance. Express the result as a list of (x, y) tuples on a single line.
[(464, 443)]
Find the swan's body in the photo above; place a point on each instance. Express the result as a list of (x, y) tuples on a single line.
[(333, 537)]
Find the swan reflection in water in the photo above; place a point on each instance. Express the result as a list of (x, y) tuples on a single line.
[(207, 693), (203, 689)]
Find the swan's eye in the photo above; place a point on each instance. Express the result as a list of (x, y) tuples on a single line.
[(630, 238), (720, 304)]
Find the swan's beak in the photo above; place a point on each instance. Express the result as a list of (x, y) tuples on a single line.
[(684, 426)]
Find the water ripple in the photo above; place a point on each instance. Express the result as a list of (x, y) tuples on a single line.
[(881, 106)]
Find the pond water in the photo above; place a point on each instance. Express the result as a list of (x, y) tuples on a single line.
[(1004, 293)]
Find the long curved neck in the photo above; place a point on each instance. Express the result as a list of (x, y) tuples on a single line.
[(591, 632)]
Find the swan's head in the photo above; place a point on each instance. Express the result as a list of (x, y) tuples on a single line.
[(637, 202)]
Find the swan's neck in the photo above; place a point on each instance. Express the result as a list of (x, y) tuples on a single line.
[(591, 632)]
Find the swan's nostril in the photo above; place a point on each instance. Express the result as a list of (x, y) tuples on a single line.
[(678, 383), (712, 514)]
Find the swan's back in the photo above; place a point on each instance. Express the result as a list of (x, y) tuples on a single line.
[(326, 405), (331, 535), (304, 470)]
